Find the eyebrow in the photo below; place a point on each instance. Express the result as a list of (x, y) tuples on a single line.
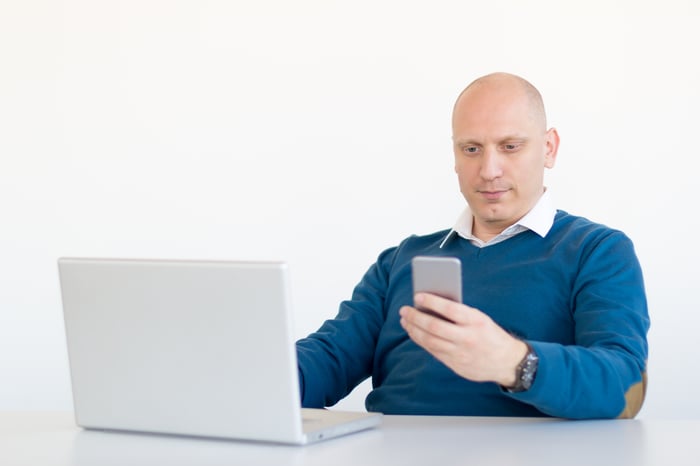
[(470, 141), (465, 142)]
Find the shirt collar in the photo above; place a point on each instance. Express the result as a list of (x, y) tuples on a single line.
[(539, 220)]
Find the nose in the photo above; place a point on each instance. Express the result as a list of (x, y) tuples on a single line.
[(490, 165)]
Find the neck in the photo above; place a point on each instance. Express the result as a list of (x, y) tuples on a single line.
[(486, 232)]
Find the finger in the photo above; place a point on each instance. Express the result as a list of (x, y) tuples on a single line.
[(442, 349), (422, 326), (456, 312)]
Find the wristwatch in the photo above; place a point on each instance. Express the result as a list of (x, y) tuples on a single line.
[(525, 372)]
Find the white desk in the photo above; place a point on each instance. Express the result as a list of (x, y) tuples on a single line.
[(52, 439)]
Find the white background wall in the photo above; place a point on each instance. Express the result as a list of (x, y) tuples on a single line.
[(318, 132)]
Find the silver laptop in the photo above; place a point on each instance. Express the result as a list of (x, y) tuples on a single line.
[(198, 348)]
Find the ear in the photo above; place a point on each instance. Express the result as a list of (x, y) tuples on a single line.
[(551, 147)]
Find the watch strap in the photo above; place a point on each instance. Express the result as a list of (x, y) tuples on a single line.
[(525, 372)]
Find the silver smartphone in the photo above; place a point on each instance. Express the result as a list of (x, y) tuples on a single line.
[(441, 276)]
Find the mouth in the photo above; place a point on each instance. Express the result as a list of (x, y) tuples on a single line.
[(493, 195)]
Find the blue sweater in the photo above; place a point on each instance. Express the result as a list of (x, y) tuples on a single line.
[(577, 296)]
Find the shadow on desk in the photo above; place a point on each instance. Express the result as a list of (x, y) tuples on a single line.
[(93, 447)]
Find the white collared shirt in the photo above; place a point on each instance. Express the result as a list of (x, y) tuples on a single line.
[(539, 220)]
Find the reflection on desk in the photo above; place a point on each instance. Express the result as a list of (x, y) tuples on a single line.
[(38, 438)]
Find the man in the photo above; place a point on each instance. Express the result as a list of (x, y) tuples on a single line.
[(554, 320)]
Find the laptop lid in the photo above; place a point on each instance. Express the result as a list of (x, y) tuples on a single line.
[(200, 348)]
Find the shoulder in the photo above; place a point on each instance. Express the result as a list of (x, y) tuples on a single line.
[(419, 244), (576, 226), (588, 238), (413, 245)]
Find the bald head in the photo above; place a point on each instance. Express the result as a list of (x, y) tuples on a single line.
[(505, 84)]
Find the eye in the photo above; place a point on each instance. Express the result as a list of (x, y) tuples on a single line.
[(511, 147), (471, 150)]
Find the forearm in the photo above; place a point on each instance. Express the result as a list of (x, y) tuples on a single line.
[(337, 357), (328, 367), (581, 383)]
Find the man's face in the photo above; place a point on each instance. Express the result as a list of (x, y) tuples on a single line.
[(501, 149)]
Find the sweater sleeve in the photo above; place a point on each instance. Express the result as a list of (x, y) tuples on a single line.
[(338, 356), (603, 375)]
